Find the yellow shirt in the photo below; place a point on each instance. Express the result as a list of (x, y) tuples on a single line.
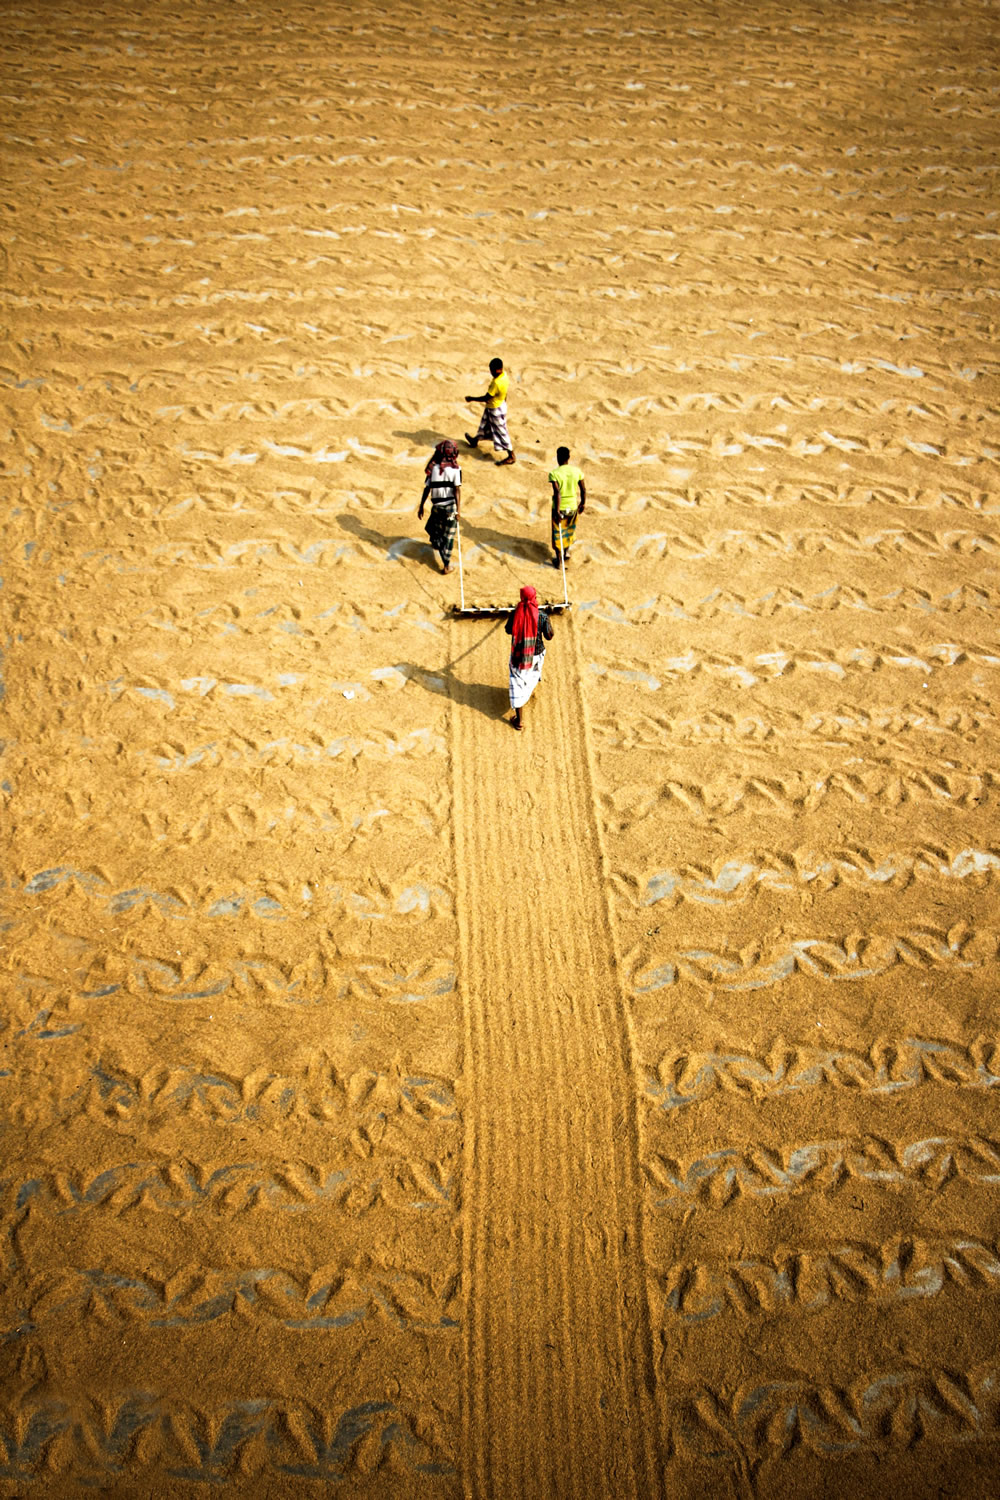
[(497, 393), (567, 477)]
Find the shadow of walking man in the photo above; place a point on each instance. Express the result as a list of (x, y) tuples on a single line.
[(424, 438), (488, 698), (395, 546)]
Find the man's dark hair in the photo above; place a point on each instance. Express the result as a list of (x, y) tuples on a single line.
[(562, 454), (496, 365)]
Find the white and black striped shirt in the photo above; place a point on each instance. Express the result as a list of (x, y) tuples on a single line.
[(442, 484)]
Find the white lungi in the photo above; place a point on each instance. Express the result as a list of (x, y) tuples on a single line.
[(523, 681)]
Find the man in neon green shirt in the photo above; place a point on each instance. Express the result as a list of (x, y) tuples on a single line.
[(566, 481), (494, 420)]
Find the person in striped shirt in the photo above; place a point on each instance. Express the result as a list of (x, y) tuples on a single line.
[(443, 487)]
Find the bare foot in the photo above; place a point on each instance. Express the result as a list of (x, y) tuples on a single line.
[(472, 442), (510, 459), (515, 723), (555, 562), (446, 570)]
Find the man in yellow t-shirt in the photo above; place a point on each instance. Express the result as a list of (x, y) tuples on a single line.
[(494, 420), (566, 480)]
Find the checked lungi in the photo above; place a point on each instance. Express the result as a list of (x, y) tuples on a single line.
[(494, 425), (564, 531), (440, 526)]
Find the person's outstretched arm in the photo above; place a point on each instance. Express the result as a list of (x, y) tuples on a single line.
[(583, 496)]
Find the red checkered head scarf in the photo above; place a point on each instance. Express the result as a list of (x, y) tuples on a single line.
[(445, 455), (524, 627)]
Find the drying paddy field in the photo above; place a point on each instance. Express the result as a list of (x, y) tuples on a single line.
[(392, 1105)]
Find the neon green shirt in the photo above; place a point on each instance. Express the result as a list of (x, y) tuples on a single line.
[(567, 477), (497, 392)]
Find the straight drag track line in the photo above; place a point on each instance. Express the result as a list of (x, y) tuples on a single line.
[(559, 1372)]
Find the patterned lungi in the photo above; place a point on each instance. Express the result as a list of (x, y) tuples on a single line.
[(440, 526), (564, 531), (494, 425), (524, 680)]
